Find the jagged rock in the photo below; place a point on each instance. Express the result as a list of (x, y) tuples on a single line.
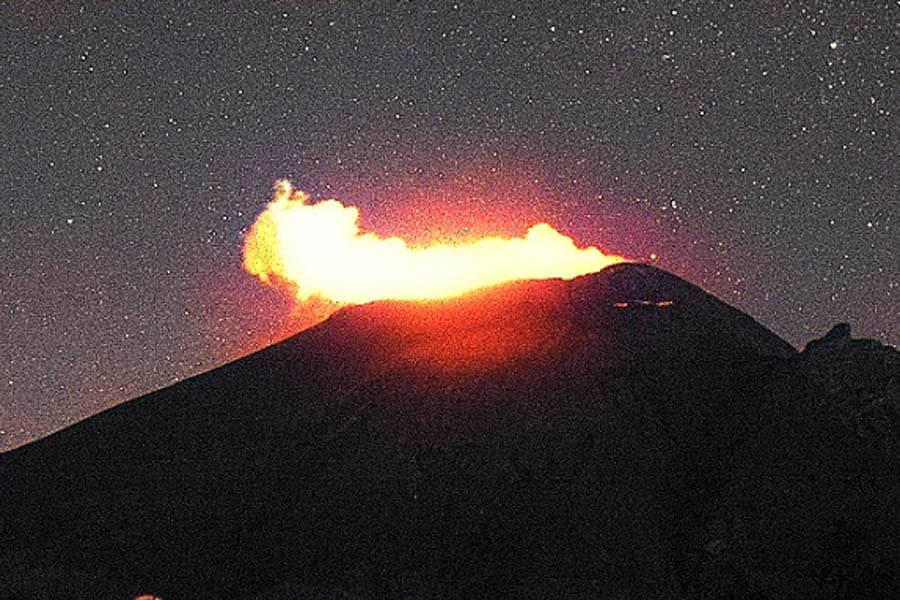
[(860, 379), (837, 335)]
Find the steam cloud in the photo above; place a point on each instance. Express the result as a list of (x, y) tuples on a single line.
[(319, 251)]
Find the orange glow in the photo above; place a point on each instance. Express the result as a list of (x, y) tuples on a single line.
[(659, 303), (319, 251)]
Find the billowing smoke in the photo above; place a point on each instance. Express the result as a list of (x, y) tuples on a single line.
[(319, 251)]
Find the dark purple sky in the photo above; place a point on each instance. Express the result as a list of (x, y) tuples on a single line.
[(752, 147)]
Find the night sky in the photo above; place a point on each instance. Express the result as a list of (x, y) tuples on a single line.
[(749, 147)]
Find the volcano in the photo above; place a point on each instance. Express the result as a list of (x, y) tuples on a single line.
[(622, 434)]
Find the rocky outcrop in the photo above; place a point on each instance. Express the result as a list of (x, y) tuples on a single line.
[(860, 379)]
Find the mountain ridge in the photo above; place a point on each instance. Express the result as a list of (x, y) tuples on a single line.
[(537, 436)]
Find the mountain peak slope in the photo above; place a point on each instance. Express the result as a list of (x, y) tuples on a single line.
[(617, 434)]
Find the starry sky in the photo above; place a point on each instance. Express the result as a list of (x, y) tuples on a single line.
[(749, 147)]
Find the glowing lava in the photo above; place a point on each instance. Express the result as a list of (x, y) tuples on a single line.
[(319, 251)]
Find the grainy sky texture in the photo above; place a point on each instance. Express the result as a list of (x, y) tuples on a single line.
[(750, 147)]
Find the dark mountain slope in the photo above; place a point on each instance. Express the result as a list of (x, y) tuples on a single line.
[(620, 434)]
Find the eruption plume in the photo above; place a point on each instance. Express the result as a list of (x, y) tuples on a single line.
[(319, 251)]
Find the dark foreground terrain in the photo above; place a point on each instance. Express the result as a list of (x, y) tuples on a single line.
[(621, 435)]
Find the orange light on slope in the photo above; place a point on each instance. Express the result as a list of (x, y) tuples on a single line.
[(319, 251)]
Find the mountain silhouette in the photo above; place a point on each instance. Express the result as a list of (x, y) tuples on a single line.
[(623, 434)]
